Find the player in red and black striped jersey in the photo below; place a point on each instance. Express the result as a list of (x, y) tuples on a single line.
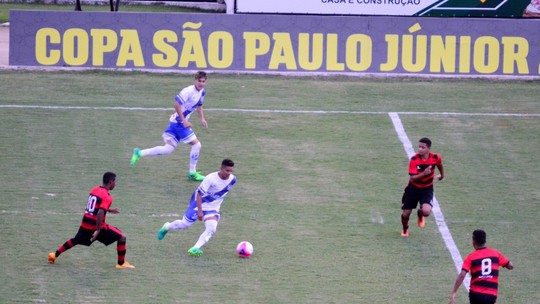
[(420, 188), (93, 226), (484, 264)]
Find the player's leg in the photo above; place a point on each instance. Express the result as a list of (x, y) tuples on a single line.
[(190, 217), (210, 226), (426, 197), (409, 202), (169, 144), (175, 225), (82, 237), (193, 160), (110, 234), (63, 248), (405, 215)]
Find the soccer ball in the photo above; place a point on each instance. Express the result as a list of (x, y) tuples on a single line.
[(244, 249)]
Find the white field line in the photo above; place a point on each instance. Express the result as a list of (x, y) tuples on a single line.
[(437, 212), (272, 111)]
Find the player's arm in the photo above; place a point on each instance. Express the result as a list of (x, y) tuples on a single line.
[(509, 266), (201, 116), (419, 176), (415, 175), (459, 281), (178, 109), (441, 171), (99, 223)]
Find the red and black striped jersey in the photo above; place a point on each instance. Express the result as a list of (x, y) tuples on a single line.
[(484, 264), (417, 165), (99, 198)]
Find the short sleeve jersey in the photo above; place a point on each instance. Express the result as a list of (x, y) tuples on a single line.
[(417, 165), (213, 190), (484, 264), (189, 99), (99, 198)]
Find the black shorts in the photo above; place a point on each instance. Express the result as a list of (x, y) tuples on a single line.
[(481, 298), (108, 235), (414, 195)]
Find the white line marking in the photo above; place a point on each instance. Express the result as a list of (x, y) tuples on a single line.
[(273, 111), (437, 212)]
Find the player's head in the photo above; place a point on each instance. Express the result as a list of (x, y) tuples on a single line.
[(425, 140), (109, 180), (424, 145), (200, 80), (227, 168), (200, 74), (227, 163), (479, 237)]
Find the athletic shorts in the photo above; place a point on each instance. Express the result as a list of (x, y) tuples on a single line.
[(414, 195), (481, 298), (107, 235), (191, 214), (177, 133)]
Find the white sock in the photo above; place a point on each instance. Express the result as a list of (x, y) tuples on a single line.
[(211, 226), (178, 224), (159, 150), (194, 156)]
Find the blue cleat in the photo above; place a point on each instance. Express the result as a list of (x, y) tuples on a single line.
[(162, 232)]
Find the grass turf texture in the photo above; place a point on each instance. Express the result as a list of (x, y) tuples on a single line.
[(318, 195)]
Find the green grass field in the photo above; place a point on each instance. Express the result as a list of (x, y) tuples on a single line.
[(318, 192)]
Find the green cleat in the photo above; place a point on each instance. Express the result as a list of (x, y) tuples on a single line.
[(195, 251), (135, 157), (195, 176), (162, 232)]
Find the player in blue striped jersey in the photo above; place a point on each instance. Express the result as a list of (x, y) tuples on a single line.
[(189, 100), (204, 205)]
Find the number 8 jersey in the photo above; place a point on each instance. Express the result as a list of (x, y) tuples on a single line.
[(484, 264)]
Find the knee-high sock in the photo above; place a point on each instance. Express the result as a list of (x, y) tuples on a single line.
[(194, 156), (405, 222), (66, 246), (159, 150), (121, 250), (179, 224), (211, 226)]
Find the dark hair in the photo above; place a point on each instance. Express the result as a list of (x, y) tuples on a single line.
[(227, 163), (479, 237), (200, 74), (426, 141), (108, 177)]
